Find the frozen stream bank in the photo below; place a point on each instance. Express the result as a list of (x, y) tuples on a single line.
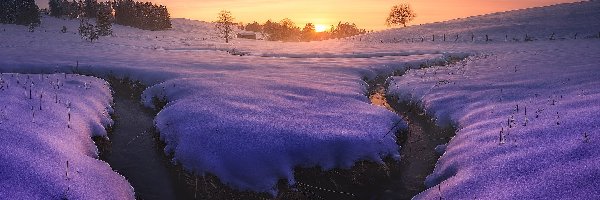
[(134, 150)]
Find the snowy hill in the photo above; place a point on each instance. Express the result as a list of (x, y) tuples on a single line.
[(527, 122), (251, 120), (563, 20)]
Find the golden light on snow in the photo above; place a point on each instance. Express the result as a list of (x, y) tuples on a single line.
[(320, 28)]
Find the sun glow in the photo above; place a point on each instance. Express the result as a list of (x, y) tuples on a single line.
[(320, 28)]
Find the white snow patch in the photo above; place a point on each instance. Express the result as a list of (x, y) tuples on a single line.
[(528, 122), (39, 135)]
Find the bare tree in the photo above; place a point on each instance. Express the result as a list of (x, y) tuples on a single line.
[(225, 25), (400, 14)]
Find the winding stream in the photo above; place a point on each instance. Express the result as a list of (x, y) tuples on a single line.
[(133, 149), (135, 152), (418, 155)]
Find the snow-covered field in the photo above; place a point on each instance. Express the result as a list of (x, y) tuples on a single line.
[(46, 148), (248, 120), (528, 122), (251, 119)]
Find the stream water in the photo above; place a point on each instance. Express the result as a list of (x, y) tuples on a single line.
[(418, 155), (134, 151)]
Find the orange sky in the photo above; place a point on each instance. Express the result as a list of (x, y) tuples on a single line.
[(368, 14)]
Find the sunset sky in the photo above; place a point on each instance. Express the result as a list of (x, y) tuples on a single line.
[(368, 14)]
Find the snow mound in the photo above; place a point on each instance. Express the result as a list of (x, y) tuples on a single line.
[(47, 121), (528, 122), (252, 129)]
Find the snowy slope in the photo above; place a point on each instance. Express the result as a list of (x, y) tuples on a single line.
[(251, 119), (566, 21), (528, 122), (39, 135), (526, 113)]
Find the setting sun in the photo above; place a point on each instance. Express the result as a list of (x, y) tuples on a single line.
[(320, 28)]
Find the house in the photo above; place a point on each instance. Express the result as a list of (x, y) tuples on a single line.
[(247, 35)]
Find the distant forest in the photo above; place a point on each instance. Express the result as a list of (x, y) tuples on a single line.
[(21, 12), (143, 15), (286, 30)]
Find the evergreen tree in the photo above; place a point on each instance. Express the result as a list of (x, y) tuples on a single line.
[(74, 8), (7, 11), (22, 12), (90, 8), (88, 31), (164, 18), (56, 8), (141, 15), (26, 13), (104, 20)]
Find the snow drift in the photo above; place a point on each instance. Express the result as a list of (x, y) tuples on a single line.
[(46, 148), (528, 122)]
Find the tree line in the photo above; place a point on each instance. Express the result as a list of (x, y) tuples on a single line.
[(286, 30), (21, 12), (142, 15)]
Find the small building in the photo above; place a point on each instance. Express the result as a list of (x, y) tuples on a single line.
[(247, 35), (44, 11)]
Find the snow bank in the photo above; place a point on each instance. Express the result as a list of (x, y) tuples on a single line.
[(528, 122), (251, 130), (47, 121)]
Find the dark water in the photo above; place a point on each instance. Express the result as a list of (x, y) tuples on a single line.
[(135, 152)]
